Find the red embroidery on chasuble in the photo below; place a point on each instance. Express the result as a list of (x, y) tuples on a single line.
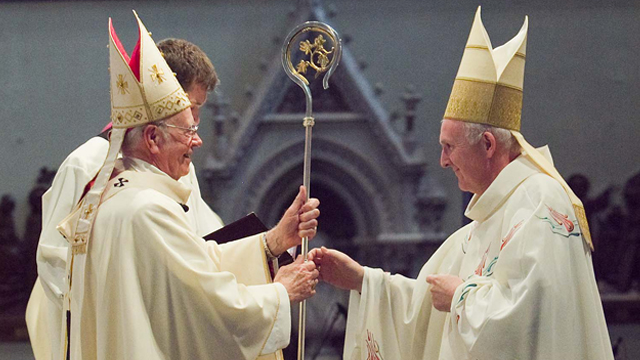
[(561, 219), (482, 262), (510, 234), (560, 223), (373, 350)]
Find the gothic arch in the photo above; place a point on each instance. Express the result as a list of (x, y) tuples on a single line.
[(337, 170)]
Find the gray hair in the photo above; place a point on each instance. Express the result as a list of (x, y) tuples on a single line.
[(473, 132), (134, 135)]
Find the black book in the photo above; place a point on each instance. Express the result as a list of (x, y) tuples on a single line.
[(241, 228), (246, 226)]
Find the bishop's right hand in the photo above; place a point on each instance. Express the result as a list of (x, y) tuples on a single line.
[(338, 269), (299, 278)]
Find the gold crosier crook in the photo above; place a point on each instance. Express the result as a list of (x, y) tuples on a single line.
[(322, 61)]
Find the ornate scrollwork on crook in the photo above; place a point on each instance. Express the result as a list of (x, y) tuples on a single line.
[(318, 56)]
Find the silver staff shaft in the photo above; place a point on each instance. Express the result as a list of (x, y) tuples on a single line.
[(306, 181), (322, 61)]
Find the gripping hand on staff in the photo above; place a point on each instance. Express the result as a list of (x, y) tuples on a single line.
[(338, 269), (300, 220), (299, 278)]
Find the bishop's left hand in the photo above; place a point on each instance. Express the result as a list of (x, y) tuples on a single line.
[(442, 289), (300, 220)]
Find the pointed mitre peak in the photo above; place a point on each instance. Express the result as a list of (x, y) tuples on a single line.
[(489, 83), (143, 87), (503, 65)]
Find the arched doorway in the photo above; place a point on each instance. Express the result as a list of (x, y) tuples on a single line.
[(346, 220)]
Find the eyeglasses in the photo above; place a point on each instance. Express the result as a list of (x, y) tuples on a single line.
[(191, 130)]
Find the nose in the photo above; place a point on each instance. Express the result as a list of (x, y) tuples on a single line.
[(196, 141), (444, 159)]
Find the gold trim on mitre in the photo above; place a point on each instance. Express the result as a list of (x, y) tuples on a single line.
[(489, 82), (147, 93), (484, 102)]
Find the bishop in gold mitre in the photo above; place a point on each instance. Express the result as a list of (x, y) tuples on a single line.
[(515, 283)]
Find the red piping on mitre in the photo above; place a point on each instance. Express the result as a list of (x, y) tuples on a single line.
[(134, 60), (107, 127), (114, 36), (134, 63)]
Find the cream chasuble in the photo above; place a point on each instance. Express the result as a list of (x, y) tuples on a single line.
[(44, 312), (529, 290), (150, 288), (141, 282)]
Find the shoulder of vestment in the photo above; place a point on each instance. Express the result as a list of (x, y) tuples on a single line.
[(537, 192)]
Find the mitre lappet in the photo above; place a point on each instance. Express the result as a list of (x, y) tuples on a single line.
[(143, 89), (488, 89)]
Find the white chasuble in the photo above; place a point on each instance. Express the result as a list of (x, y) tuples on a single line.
[(529, 290), (44, 313), (150, 288)]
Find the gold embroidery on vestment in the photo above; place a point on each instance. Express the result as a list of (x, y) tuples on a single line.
[(123, 86), (157, 74), (485, 103)]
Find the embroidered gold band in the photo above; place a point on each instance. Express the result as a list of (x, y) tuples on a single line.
[(124, 117), (485, 103)]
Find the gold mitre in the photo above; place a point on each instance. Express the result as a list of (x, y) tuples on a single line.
[(143, 87), (488, 86), (488, 90)]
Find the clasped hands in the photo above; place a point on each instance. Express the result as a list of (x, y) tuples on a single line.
[(334, 267)]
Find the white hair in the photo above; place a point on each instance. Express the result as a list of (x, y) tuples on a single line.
[(133, 136), (473, 132)]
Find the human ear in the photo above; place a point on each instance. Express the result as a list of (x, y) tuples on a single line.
[(151, 138), (489, 143)]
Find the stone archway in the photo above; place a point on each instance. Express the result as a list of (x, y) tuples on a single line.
[(342, 226), (341, 219), (351, 215), (345, 184)]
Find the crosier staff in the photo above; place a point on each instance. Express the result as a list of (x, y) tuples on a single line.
[(322, 61)]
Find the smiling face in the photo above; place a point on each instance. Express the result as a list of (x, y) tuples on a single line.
[(175, 150), (468, 161), (178, 145)]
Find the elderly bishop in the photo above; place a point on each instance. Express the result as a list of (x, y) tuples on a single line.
[(142, 283)]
